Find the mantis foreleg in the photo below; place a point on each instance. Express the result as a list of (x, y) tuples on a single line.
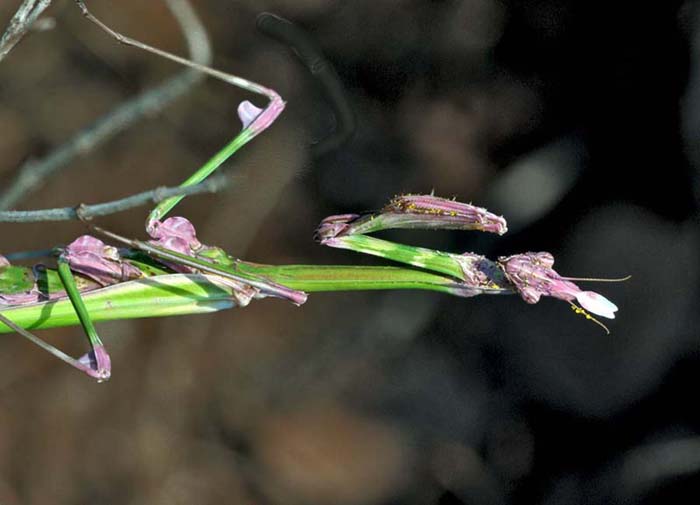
[(96, 363)]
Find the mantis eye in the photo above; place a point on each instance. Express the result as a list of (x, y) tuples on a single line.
[(597, 304)]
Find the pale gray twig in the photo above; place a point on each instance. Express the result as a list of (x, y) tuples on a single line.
[(34, 173), (36, 340), (217, 74), (21, 23), (82, 211)]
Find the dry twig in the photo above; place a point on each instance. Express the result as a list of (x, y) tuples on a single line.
[(212, 185), (21, 23), (34, 173)]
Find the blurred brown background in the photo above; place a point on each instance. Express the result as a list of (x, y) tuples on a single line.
[(579, 123)]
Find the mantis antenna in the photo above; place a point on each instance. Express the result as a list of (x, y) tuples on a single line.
[(598, 279)]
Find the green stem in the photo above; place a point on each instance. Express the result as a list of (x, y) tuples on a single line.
[(203, 172), (64, 272), (437, 261), (179, 294), (319, 278)]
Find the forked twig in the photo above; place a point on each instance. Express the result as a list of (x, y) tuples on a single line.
[(212, 185), (34, 173)]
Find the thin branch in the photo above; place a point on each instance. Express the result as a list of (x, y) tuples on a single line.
[(212, 185), (21, 23), (44, 345), (217, 74), (34, 173)]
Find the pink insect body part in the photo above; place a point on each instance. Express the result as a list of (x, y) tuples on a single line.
[(532, 276)]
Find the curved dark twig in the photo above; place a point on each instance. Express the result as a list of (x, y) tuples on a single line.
[(312, 57)]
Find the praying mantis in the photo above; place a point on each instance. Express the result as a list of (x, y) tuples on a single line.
[(173, 273)]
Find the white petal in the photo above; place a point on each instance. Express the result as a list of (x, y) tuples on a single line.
[(597, 304), (247, 112)]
